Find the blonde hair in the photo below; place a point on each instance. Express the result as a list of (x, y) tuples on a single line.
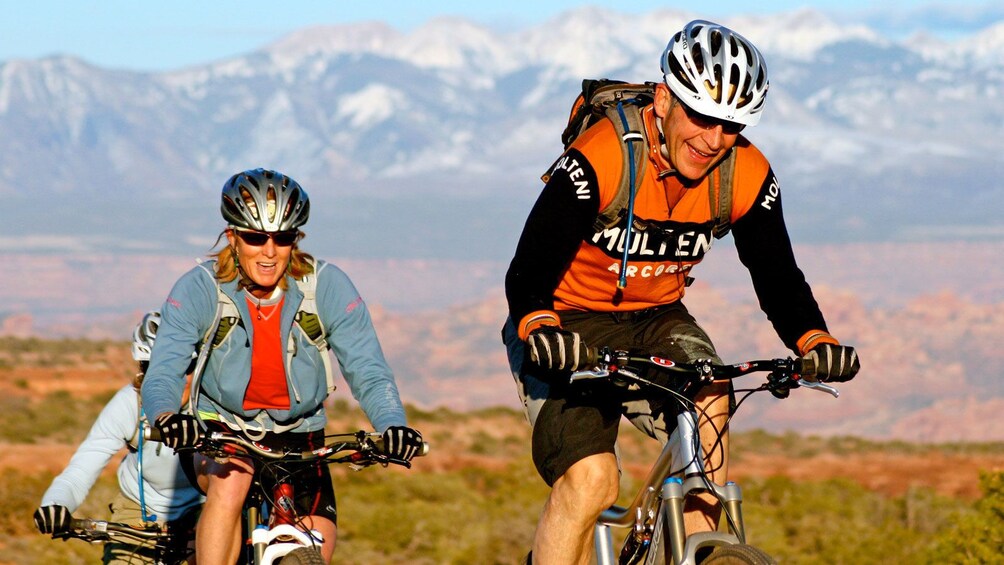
[(137, 381), (300, 262)]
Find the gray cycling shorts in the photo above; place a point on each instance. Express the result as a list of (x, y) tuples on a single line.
[(572, 422)]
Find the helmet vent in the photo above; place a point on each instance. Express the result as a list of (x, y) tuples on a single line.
[(734, 91), (678, 72), (270, 203), (716, 90), (698, 58), (716, 42), (249, 203)]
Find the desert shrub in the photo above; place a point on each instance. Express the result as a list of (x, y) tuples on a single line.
[(977, 536), (17, 351), (21, 492), (465, 516), (838, 521), (58, 416)]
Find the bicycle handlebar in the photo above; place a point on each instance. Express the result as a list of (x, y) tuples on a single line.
[(97, 530), (784, 373), (365, 447)]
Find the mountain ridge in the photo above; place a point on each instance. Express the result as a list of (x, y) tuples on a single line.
[(872, 138)]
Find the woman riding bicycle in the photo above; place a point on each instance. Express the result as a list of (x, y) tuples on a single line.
[(267, 372), (152, 486)]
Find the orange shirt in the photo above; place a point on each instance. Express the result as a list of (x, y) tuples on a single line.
[(662, 256), (268, 387)]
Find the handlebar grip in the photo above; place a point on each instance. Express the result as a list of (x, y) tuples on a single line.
[(80, 523), (593, 356), (807, 367), (151, 433)]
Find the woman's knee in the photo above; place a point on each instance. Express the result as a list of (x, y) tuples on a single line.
[(228, 488)]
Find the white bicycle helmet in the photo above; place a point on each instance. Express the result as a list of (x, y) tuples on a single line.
[(264, 200), (144, 335), (717, 72)]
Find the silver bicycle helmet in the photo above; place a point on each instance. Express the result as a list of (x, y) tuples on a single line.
[(264, 200), (717, 72), (144, 335)]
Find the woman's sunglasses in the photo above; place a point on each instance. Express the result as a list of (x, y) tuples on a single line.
[(259, 238)]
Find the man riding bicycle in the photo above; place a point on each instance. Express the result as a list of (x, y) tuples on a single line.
[(564, 291)]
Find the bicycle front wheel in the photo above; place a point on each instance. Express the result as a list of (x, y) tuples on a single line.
[(738, 554), (303, 556)]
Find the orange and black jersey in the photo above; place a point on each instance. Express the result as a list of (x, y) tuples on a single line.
[(562, 262)]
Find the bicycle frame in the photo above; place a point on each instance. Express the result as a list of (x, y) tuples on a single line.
[(657, 508), (269, 545), (659, 502)]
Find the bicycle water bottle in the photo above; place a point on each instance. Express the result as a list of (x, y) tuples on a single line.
[(284, 512)]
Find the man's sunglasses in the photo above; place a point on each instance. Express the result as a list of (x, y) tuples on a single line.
[(707, 122), (259, 238)]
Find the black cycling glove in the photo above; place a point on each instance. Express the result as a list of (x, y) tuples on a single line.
[(401, 442), (177, 430), (53, 519), (834, 363), (556, 349)]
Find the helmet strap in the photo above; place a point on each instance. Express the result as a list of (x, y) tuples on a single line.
[(663, 149)]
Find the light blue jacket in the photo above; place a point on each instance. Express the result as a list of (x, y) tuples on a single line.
[(189, 313), (166, 490)]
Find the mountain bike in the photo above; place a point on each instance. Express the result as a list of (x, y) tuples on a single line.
[(655, 514), (154, 541), (271, 528)]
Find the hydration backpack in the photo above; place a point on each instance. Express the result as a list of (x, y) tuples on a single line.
[(621, 103)]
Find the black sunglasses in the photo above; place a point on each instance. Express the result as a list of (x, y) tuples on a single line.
[(708, 122), (259, 238)]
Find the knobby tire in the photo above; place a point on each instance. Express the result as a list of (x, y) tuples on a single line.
[(739, 554), (303, 556)]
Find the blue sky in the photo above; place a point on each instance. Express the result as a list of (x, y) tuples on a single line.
[(155, 36)]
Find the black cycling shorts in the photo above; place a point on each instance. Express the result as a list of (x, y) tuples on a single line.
[(573, 422)]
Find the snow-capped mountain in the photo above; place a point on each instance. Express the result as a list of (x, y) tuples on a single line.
[(429, 143)]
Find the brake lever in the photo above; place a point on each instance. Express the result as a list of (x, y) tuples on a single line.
[(588, 374), (820, 386)]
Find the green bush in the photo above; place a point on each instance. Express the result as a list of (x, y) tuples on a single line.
[(22, 493), (977, 536), (58, 417), (838, 521), (464, 516)]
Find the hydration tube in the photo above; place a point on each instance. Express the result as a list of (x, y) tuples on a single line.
[(142, 485), (629, 137)]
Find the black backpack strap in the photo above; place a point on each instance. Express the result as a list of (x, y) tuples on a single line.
[(720, 200), (631, 132)]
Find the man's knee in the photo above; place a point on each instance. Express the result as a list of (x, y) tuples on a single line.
[(591, 483)]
